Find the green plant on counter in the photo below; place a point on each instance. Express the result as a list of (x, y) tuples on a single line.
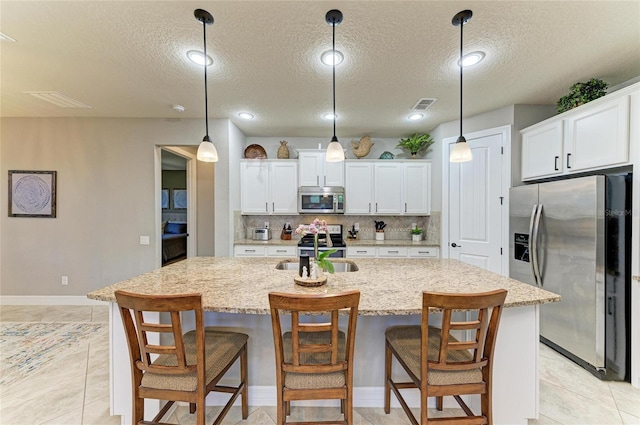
[(325, 263), (582, 93), (416, 231), (416, 143)]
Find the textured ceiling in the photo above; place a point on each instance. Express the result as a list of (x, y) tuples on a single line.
[(127, 59)]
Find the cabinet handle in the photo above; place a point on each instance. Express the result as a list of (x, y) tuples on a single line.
[(393, 252), (273, 206), (325, 180), (568, 157), (423, 252), (249, 250), (361, 252), (555, 163), (369, 206), (317, 180), (405, 207), (376, 207), (281, 250), (266, 207)]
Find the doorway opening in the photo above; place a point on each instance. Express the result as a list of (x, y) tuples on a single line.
[(176, 211)]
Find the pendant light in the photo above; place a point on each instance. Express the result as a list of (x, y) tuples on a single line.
[(334, 150), (206, 151), (461, 151)]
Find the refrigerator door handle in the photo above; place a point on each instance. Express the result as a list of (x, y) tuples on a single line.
[(532, 243), (534, 253)]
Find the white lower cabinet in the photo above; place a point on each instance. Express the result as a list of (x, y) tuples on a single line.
[(392, 252), (264, 250)]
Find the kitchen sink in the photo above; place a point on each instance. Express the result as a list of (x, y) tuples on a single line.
[(339, 267)]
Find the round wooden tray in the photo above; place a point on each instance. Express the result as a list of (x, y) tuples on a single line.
[(310, 282), (255, 152)]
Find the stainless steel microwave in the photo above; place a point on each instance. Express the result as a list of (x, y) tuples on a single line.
[(323, 199)]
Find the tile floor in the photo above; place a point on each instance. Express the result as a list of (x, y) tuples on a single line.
[(73, 389)]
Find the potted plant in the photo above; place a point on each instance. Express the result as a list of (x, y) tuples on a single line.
[(416, 143), (582, 93), (416, 234)]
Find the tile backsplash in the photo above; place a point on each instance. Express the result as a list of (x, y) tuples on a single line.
[(398, 227)]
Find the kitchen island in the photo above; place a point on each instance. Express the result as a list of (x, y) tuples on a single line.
[(234, 292)]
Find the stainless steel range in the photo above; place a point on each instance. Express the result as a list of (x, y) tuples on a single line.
[(335, 241)]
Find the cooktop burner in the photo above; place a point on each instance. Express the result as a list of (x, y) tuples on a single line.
[(335, 234)]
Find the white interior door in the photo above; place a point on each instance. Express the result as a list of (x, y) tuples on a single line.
[(475, 204)]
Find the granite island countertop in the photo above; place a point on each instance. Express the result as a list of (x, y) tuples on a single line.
[(389, 287)]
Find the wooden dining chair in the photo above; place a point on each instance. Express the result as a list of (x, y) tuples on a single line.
[(189, 366), (440, 364), (314, 361)]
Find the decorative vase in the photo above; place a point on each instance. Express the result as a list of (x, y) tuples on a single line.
[(413, 155), (379, 236), (283, 150), (416, 238)]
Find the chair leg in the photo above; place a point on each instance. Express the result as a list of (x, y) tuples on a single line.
[(342, 406), (201, 412), (387, 377), (243, 380), (439, 403), (138, 409), (280, 408), (348, 412), (288, 408), (485, 403)]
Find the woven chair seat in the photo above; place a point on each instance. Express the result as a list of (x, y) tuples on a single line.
[(221, 347), (405, 340), (295, 380)]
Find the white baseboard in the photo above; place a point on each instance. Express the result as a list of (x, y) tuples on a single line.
[(48, 300), (362, 397)]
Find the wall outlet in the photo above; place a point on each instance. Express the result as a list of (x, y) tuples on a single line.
[(65, 280), (266, 224), (144, 240), (357, 227)]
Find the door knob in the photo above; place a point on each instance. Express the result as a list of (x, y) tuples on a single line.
[(455, 245)]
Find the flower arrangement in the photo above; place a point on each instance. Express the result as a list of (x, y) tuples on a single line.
[(314, 228)]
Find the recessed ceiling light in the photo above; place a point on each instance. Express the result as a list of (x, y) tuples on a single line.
[(198, 57), (471, 58), (246, 115), (329, 116), (415, 116), (328, 57)]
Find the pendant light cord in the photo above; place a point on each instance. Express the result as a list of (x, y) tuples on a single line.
[(334, 79), (206, 98), (461, 26)]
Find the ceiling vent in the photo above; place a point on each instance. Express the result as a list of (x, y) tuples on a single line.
[(58, 99), (424, 103)]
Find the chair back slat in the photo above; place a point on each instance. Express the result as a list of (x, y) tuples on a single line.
[(481, 343), (301, 308), (139, 331)]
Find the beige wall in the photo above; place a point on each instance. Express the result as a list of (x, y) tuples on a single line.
[(105, 199)]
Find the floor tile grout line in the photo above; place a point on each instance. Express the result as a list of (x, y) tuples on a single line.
[(86, 374)]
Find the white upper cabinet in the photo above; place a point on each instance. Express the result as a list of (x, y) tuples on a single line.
[(590, 137), (268, 187), (315, 171), (417, 188), (387, 187), (542, 150), (598, 136), (358, 188)]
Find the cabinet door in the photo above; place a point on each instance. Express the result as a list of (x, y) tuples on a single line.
[(358, 187), (542, 151), (254, 187), (417, 188), (387, 188), (284, 187), (598, 136), (333, 173), (310, 169), (249, 251)]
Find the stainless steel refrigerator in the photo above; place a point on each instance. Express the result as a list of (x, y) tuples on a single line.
[(573, 237)]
